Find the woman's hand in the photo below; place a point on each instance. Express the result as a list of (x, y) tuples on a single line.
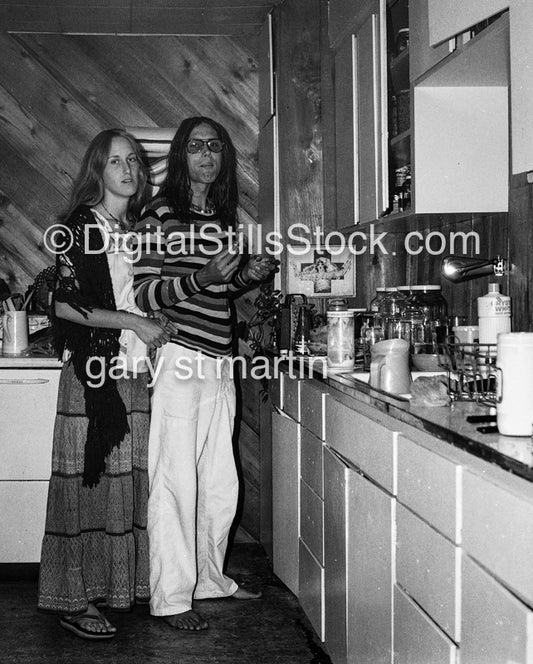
[(151, 331), (259, 268), (220, 268)]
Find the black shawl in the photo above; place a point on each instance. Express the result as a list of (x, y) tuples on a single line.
[(84, 282)]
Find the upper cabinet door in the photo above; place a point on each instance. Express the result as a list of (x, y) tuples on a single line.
[(371, 74), (448, 18), (521, 16)]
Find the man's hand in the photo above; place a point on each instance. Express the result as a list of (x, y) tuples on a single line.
[(220, 268), (259, 268)]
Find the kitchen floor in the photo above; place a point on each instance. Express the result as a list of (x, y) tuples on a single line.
[(271, 630)]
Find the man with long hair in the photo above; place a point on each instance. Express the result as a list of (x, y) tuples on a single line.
[(189, 266)]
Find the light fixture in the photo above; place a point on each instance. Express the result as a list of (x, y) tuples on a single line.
[(463, 268)]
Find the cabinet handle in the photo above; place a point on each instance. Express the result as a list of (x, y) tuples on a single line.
[(23, 381)]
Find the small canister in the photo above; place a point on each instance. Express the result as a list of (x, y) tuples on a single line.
[(341, 351)]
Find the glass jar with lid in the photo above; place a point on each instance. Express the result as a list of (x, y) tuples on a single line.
[(429, 298), (390, 310), (341, 347)]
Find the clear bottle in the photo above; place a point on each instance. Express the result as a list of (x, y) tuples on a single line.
[(411, 327), (429, 298), (494, 314), (341, 347)]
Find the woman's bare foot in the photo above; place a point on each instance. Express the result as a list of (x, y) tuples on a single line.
[(242, 593), (188, 620)]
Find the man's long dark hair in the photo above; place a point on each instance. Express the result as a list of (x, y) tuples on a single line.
[(177, 186)]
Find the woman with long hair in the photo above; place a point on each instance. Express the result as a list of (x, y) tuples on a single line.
[(95, 548)]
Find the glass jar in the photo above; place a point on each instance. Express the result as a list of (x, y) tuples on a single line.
[(411, 326), (376, 300), (341, 347), (391, 308), (429, 299)]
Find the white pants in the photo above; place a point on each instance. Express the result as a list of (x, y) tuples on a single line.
[(193, 479)]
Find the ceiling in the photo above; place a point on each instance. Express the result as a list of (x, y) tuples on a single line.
[(154, 17)]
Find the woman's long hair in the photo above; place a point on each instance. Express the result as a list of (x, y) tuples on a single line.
[(88, 188), (223, 192)]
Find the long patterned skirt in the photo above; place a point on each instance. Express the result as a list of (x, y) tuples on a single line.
[(95, 546)]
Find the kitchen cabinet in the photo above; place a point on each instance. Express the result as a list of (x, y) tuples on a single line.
[(312, 578), (448, 18), (361, 118), (359, 535), (26, 452), (502, 631), (456, 106), (336, 586), (417, 639), (521, 20), (411, 550), (286, 485), (426, 111)]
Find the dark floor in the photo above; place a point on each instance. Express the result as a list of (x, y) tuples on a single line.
[(272, 630)]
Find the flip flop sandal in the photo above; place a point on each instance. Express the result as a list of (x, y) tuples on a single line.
[(72, 624)]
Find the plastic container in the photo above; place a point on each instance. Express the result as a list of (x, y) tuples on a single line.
[(341, 347), (429, 298), (494, 314), (514, 410)]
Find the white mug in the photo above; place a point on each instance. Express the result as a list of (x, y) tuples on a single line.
[(514, 359), (15, 324)]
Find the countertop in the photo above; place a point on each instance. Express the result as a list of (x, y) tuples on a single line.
[(448, 423), (29, 362)]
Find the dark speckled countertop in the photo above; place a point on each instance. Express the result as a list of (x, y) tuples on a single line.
[(448, 423)]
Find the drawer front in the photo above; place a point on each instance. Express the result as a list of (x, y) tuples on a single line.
[(22, 519), (312, 521), (498, 532), (367, 444), (430, 484), (28, 406), (311, 595), (291, 396), (312, 462), (417, 640), (497, 627), (428, 568), (313, 408)]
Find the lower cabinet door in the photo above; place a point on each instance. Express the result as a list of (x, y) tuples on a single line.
[(369, 571), (311, 594), (285, 499), (417, 639), (22, 519), (497, 627), (335, 556)]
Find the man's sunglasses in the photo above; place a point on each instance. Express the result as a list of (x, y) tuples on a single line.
[(196, 145)]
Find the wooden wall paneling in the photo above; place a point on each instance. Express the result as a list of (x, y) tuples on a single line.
[(299, 113), (249, 455), (94, 86)]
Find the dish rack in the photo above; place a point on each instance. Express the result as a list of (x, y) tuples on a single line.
[(471, 371)]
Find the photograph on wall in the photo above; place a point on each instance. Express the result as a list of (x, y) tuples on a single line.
[(319, 272)]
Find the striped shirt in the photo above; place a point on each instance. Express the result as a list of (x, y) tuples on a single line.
[(168, 256)]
